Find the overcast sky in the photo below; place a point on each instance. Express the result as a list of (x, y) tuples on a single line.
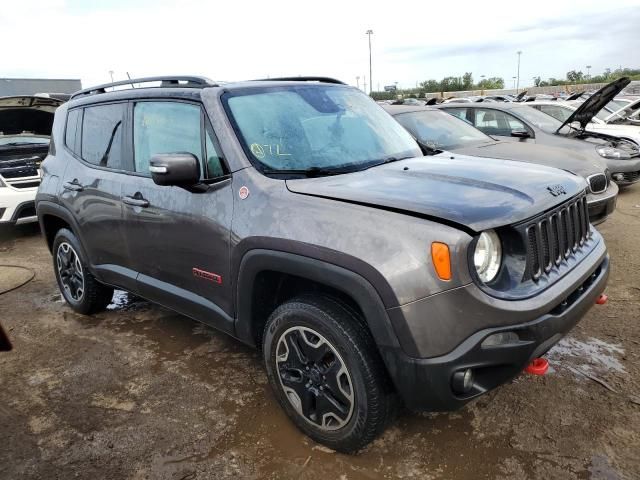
[(412, 40)]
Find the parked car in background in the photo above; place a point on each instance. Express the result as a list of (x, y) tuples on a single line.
[(298, 217), (435, 130), (603, 122), (25, 129), (519, 122)]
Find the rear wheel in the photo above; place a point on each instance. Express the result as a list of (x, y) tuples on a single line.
[(326, 372), (78, 286)]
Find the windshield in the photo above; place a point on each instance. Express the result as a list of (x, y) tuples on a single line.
[(544, 122), (440, 130), (23, 140), (315, 126)]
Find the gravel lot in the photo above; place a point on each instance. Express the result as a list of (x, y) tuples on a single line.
[(140, 392)]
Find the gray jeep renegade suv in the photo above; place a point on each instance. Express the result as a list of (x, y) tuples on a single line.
[(298, 217)]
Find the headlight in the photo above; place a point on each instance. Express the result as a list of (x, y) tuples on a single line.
[(487, 255), (612, 152)]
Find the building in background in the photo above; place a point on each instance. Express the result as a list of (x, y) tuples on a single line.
[(10, 87)]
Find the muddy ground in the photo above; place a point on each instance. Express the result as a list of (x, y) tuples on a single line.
[(139, 392)]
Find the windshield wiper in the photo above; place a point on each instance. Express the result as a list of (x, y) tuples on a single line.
[(309, 172), (384, 161)]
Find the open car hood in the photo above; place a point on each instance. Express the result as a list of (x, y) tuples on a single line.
[(465, 191), (624, 112), (27, 114), (596, 102)]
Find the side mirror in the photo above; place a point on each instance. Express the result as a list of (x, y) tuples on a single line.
[(174, 169), (520, 133)]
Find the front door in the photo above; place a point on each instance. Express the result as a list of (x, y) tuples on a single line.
[(178, 238), (501, 125)]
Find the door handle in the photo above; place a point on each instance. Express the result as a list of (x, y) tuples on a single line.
[(136, 201), (73, 186)]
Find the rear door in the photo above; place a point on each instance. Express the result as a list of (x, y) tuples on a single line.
[(178, 238), (94, 136)]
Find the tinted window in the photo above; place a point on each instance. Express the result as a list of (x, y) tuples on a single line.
[(72, 133), (461, 113), (165, 127), (557, 112), (495, 122), (438, 130), (102, 135), (214, 161)]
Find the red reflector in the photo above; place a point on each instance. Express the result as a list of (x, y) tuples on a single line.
[(538, 366), (602, 299)]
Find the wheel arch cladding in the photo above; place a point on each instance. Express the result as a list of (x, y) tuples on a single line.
[(350, 285)]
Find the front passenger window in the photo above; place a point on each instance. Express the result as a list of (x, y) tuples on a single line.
[(165, 127)]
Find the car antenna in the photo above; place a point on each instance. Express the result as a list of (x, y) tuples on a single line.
[(129, 77)]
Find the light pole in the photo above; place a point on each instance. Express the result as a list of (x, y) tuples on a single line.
[(369, 33), (514, 83), (358, 81), (111, 74), (589, 72), (518, 81)]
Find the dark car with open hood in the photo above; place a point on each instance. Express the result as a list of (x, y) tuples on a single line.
[(25, 128), (438, 133), (522, 123), (295, 215)]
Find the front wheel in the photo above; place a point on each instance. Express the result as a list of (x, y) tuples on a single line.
[(326, 372)]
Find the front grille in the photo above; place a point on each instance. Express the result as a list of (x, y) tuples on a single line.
[(598, 183), (556, 235)]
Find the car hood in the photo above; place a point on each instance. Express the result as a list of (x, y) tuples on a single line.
[(624, 112), (596, 102), (573, 161), (27, 114), (464, 191)]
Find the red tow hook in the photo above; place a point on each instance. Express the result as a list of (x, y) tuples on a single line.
[(602, 299), (538, 366)]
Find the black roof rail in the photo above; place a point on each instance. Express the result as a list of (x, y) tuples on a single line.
[(301, 79), (166, 81)]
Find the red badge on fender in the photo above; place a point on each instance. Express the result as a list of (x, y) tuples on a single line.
[(243, 193)]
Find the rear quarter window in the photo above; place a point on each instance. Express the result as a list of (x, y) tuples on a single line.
[(102, 130), (73, 129)]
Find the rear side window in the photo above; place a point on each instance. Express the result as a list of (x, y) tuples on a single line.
[(102, 128), (72, 133)]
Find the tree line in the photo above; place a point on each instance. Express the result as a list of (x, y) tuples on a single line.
[(466, 82)]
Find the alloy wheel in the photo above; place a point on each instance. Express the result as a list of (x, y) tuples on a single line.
[(314, 378), (70, 271)]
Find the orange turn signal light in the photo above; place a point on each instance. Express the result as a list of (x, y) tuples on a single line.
[(441, 260)]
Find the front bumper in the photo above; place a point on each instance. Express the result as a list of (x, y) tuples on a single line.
[(628, 169), (17, 205), (602, 205), (426, 383)]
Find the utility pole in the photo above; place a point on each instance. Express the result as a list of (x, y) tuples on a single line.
[(514, 83), (369, 33), (518, 81), (358, 81), (364, 83), (111, 74)]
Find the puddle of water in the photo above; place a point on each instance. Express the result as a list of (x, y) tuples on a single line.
[(125, 301), (593, 354)]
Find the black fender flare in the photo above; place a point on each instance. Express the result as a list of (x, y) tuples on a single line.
[(44, 207), (334, 276)]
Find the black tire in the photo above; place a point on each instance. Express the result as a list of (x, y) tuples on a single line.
[(80, 289), (329, 327)]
